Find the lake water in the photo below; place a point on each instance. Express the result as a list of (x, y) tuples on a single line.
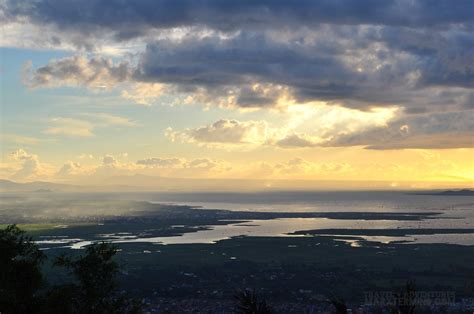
[(345, 201), (456, 212)]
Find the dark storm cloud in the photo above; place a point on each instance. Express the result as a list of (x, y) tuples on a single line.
[(320, 70), (361, 52), (250, 98), (213, 62), (127, 18), (444, 58), (348, 65)]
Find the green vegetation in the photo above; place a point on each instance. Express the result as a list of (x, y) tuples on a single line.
[(32, 227), (20, 272), (92, 289)]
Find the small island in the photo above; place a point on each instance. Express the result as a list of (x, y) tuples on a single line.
[(461, 192)]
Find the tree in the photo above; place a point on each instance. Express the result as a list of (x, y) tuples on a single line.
[(20, 272), (94, 289), (248, 302), (339, 304), (406, 299)]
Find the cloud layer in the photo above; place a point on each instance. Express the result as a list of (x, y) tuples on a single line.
[(417, 55), (132, 19)]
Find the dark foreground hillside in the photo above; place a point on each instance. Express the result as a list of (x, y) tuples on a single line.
[(300, 275)]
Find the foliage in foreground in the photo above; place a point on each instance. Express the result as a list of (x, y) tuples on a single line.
[(20, 272), (339, 304), (249, 302), (92, 289)]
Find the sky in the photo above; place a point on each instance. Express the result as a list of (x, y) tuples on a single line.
[(347, 91)]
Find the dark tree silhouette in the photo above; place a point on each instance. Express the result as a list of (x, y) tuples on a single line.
[(93, 290), (248, 302), (406, 299), (339, 304), (95, 287), (20, 272)]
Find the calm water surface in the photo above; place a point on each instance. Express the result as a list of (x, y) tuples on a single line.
[(455, 212)]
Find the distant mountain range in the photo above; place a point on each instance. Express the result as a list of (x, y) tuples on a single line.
[(45, 187), (143, 183), (138, 183), (37, 186)]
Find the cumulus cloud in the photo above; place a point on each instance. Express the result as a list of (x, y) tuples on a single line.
[(298, 141), (224, 131), (30, 165), (109, 160), (160, 162), (321, 124), (230, 134), (182, 167), (97, 73), (69, 168), (326, 126), (144, 93), (21, 154)]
